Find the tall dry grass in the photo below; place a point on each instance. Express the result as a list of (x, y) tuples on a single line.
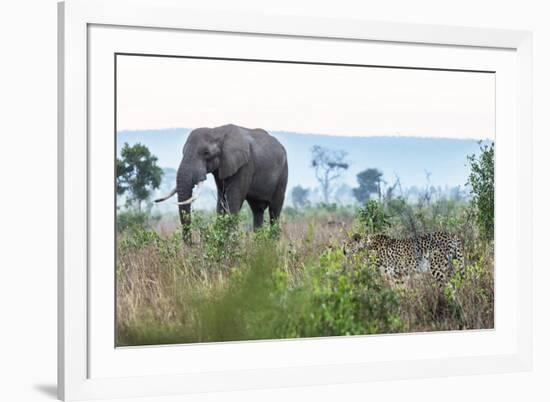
[(239, 285)]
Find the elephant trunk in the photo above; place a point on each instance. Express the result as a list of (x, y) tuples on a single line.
[(184, 189)]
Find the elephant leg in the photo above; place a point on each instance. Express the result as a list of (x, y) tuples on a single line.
[(231, 199), (221, 205), (276, 204), (258, 209), (274, 214)]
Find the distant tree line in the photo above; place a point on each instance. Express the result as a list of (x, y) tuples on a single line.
[(330, 166), (138, 175)]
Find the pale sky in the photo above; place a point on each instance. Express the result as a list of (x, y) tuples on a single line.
[(155, 93)]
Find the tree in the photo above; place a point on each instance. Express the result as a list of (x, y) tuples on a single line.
[(369, 182), (329, 165), (482, 183), (300, 196), (137, 174)]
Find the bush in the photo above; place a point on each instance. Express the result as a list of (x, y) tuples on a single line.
[(138, 238), (131, 220), (372, 217), (481, 180), (335, 298), (472, 293), (328, 206), (340, 297), (218, 237), (268, 233), (249, 304), (349, 297)]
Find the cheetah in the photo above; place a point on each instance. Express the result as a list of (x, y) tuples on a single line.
[(439, 253)]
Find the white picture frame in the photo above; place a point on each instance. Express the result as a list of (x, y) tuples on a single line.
[(90, 368)]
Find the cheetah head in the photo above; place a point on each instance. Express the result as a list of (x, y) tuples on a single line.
[(356, 242)]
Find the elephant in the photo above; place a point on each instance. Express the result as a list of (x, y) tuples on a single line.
[(247, 164)]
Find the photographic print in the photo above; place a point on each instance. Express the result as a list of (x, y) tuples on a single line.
[(262, 200)]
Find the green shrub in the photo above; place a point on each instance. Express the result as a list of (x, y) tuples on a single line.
[(472, 295), (219, 237), (249, 303), (481, 180), (352, 297), (131, 220), (291, 212), (341, 297), (328, 206), (372, 217), (137, 238), (268, 232)]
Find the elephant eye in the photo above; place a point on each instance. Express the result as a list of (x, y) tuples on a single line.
[(205, 152)]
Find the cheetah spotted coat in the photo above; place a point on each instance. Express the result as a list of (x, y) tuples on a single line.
[(440, 253)]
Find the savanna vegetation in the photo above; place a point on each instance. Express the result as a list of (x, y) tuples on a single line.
[(292, 279)]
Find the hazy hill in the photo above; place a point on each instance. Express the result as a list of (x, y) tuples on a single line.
[(408, 157)]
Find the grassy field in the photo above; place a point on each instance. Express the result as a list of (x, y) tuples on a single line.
[(291, 280)]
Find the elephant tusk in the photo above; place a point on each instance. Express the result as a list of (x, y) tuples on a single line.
[(188, 201), (193, 197), (170, 194)]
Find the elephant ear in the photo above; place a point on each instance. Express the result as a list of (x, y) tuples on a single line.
[(235, 153)]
